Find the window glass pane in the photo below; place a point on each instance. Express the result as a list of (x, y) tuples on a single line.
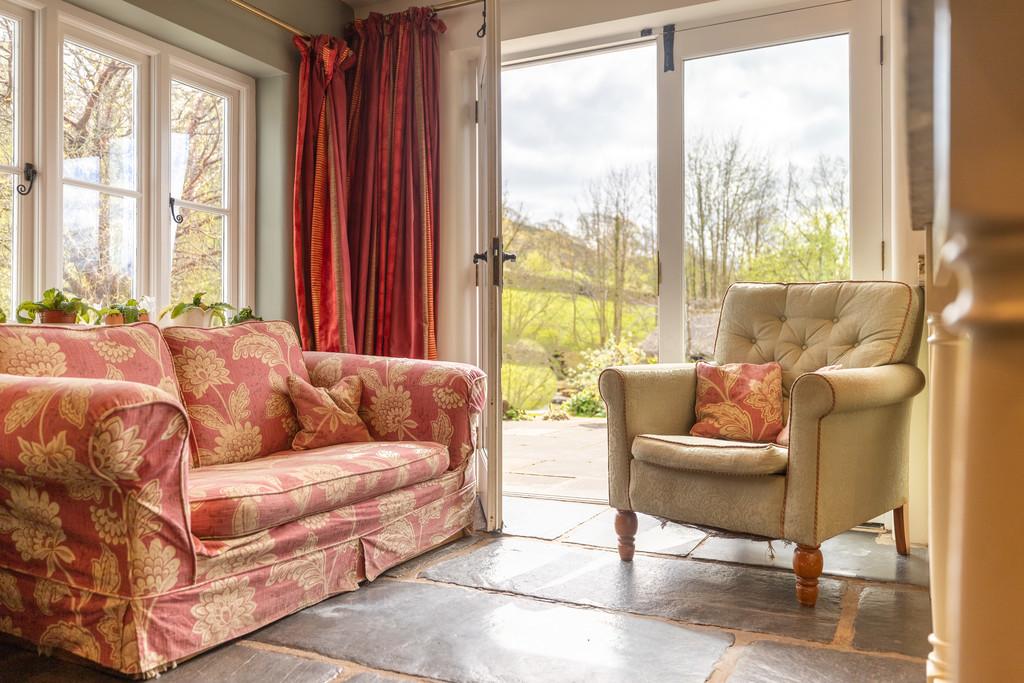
[(100, 129), (767, 137), (7, 222), (198, 120), (8, 85), (99, 245), (198, 261)]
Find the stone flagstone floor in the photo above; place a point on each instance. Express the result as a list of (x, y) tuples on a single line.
[(550, 601)]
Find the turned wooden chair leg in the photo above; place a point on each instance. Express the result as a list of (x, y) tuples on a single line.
[(901, 528), (625, 527), (807, 564)]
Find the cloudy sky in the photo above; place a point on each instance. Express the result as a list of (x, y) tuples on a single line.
[(567, 122)]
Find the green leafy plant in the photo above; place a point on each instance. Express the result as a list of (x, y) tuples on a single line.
[(585, 404), (243, 315), (56, 301), (131, 311), (583, 377), (515, 415), (3, 316), (216, 310)]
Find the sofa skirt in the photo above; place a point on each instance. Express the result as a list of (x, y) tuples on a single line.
[(242, 584)]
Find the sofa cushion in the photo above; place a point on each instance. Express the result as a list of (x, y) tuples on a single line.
[(132, 353), (234, 499), (327, 416), (234, 383), (701, 454)]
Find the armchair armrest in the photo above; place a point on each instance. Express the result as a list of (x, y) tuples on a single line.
[(411, 400), (848, 453), (843, 391), (643, 399), (92, 478)]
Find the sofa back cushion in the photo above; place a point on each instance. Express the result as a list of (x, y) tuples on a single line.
[(234, 383), (806, 326), (133, 353)]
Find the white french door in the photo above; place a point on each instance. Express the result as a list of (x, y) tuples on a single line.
[(489, 261), (772, 127), (771, 166)]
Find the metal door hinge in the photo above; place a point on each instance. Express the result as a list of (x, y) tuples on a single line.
[(881, 49), (883, 256), (476, 111)]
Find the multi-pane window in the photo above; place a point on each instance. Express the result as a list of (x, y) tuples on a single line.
[(126, 123), (199, 121), (101, 194), (9, 87)]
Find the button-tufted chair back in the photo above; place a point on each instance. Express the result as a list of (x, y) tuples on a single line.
[(810, 325)]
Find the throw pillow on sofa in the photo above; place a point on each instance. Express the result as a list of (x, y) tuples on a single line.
[(739, 401), (327, 416), (132, 353), (234, 383)]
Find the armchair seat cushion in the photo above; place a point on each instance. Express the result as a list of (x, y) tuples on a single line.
[(701, 454), (240, 498)]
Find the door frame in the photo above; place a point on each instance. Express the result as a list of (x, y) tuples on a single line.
[(866, 23)]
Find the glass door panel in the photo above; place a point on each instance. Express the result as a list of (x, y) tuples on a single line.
[(767, 172), (579, 158)]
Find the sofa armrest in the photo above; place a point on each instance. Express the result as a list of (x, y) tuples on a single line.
[(643, 399), (848, 452), (412, 400), (92, 485)]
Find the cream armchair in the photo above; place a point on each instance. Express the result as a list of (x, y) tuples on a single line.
[(847, 457)]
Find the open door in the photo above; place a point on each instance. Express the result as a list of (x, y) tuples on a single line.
[(490, 258)]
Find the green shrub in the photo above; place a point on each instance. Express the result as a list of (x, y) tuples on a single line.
[(527, 387), (585, 403), (583, 377)]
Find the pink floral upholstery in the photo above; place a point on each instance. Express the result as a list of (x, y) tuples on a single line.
[(234, 385), (240, 498), (100, 558), (134, 353), (411, 400), (91, 510)]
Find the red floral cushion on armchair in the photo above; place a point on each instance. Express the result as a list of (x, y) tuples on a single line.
[(132, 353), (739, 401), (234, 383)]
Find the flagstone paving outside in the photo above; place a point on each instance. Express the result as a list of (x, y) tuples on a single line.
[(554, 603)]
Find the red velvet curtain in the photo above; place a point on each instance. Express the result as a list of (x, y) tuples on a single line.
[(392, 182), (323, 274)]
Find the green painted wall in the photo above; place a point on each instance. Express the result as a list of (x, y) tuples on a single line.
[(226, 34)]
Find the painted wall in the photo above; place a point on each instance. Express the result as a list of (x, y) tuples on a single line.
[(226, 34)]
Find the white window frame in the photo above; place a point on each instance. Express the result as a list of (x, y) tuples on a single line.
[(24, 207), (39, 253)]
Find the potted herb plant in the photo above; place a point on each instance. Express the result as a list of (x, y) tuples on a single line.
[(197, 313), (131, 311), (55, 307), (243, 315)]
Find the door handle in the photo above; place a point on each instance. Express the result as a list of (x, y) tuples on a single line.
[(506, 256), (477, 258)]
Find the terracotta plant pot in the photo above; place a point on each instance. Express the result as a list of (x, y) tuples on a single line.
[(143, 317), (57, 318), (113, 319)]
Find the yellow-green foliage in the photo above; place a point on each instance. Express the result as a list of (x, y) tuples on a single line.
[(527, 387)]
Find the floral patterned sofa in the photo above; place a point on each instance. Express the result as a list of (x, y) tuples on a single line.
[(151, 507)]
